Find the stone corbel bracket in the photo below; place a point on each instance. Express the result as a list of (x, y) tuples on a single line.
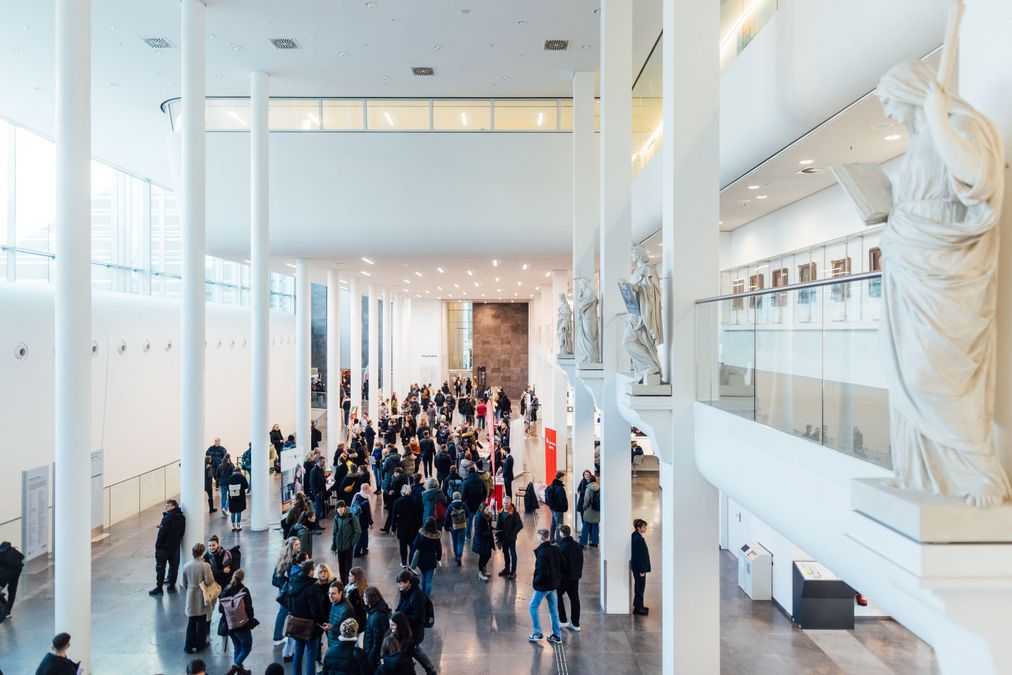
[(649, 409)]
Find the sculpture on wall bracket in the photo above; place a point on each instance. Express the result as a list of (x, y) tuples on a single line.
[(564, 327), (643, 330), (939, 279), (588, 326)]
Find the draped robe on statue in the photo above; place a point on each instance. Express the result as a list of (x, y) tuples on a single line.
[(940, 268)]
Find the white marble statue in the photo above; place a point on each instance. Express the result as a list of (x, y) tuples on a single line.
[(588, 327), (564, 326), (642, 333), (940, 266)]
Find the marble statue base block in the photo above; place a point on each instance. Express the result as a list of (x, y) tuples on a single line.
[(650, 389), (931, 519)]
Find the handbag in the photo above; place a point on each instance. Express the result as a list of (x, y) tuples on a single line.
[(298, 629), (211, 591)]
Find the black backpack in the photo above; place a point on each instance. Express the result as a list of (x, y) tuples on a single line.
[(236, 558), (11, 563), (530, 499), (595, 501), (430, 613)]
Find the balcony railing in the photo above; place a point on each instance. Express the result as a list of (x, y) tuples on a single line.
[(802, 359)]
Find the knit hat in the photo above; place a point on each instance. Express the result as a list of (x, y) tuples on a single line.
[(349, 629), (341, 504)]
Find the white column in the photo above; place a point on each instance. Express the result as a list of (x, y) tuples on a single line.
[(616, 225), (192, 300), (355, 345), (388, 336), (334, 410), (409, 352), (560, 385), (586, 216), (303, 345), (72, 532), (373, 330), (260, 324), (690, 207)]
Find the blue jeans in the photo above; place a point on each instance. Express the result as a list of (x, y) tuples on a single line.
[(470, 520), (279, 622), (558, 518), (458, 543), (590, 530), (553, 611), (427, 581), (320, 506), (509, 554), (242, 642), (306, 650), (224, 497), (362, 545), (236, 518)]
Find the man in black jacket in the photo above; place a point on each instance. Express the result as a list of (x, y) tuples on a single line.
[(318, 488), (412, 604), (639, 563), (427, 451), (369, 434), (407, 520), (548, 571), (573, 554), (391, 493), (474, 491), (443, 463), (557, 500), (170, 535), (507, 472)]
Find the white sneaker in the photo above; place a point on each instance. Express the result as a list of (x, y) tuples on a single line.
[(278, 643), (572, 627), (565, 624)]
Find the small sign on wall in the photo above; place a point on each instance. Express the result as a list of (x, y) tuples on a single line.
[(35, 512)]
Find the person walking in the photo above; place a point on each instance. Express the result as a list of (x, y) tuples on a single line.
[(237, 621), (308, 605), (557, 500), (361, 507), (639, 563), (572, 572), (167, 541), (432, 496), (428, 551), (591, 513), (238, 486), (475, 493), (411, 609), (482, 543), (57, 662), (455, 523), (406, 521), (198, 611), (547, 579), (376, 625), (209, 484), (509, 525), (346, 533), (225, 471), (282, 571), (344, 656)]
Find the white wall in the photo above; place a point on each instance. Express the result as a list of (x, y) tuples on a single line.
[(428, 353), (135, 395)]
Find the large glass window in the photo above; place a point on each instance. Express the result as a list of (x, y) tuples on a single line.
[(531, 115), (462, 115), (34, 204), (398, 115), (459, 334)]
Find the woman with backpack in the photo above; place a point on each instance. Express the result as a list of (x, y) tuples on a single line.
[(456, 524), (238, 486), (428, 551), (482, 544), (591, 513), (237, 621)]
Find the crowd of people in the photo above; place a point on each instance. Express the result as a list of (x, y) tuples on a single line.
[(422, 472)]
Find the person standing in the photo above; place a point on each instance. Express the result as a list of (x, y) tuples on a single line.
[(581, 489), (572, 572), (591, 513), (225, 471), (475, 492), (377, 623), (391, 493), (238, 486), (639, 563), (548, 563), (558, 501), (340, 609), (412, 608), (407, 519), (282, 570), (509, 526), (427, 451), (318, 487), (198, 611), (507, 472), (362, 509), (57, 662), (482, 544), (170, 535), (346, 532), (344, 656), (216, 452), (12, 562), (315, 433), (428, 551), (306, 601), (209, 484), (455, 523), (237, 624)]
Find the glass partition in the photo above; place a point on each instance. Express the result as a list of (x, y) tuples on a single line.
[(785, 358)]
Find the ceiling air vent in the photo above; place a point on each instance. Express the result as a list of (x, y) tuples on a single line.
[(158, 43), (813, 170), (556, 45), (423, 71), (284, 43)]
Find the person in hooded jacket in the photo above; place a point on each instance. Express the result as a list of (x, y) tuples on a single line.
[(170, 534), (238, 486), (56, 662), (572, 571), (482, 544), (394, 661), (548, 570), (305, 600), (591, 513), (509, 526), (225, 470), (376, 624), (475, 492), (428, 551), (363, 506), (346, 533), (431, 496), (344, 657), (442, 462), (556, 500), (242, 637)]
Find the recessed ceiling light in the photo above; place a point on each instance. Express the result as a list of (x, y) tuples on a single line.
[(465, 11), (441, 270), (760, 196), (892, 137), (342, 54), (212, 36), (407, 281), (427, 292), (470, 273), (524, 267), (158, 43), (437, 47), (720, 222), (476, 284), (520, 22), (290, 265), (463, 118), (541, 118), (365, 273), (548, 274), (806, 162), (395, 20), (113, 27), (418, 295), (247, 262), (285, 43), (456, 285), (495, 263), (753, 187), (520, 283), (236, 48), (498, 290), (366, 260), (370, 4), (439, 288), (597, 11), (418, 274)]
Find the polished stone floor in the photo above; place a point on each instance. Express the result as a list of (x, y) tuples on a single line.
[(480, 628)]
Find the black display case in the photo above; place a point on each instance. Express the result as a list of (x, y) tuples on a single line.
[(821, 599)]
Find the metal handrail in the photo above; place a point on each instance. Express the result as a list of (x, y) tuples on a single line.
[(863, 276)]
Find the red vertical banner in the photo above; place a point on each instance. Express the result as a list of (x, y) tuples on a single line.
[(496, 480), (550, 462)]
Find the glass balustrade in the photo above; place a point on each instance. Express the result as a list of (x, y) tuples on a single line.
[(802, 359)]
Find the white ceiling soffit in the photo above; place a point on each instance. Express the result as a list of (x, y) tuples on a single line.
[(347, 48)]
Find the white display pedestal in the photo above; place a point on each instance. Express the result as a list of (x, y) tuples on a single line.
[(755, 572)]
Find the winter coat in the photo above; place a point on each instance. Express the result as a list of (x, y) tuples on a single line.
[(344, 657), (376, 625), (486, 478), (510, 524), (428, 549), (171, 529), (427, 447), (556, 498), (237, 502), (338, 613), (317, 482), (225, 471), (409, 463), (346, 532), (193, 573), (640, 559), (547, 567), (352, 595), (306, 599), (507, 468), (218, 561), (429, 499), (247, 601), (412, 603), (407, 518), (482, 543), (208, 478), (365, 511), (61, 665), (573, 555), (465, 468), (581, 490), (589, 514), (396, 664), (216, 453), (474, 492), (443, 462)]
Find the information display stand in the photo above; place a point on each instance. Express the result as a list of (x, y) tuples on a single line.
[(755, 572), (821, 599)]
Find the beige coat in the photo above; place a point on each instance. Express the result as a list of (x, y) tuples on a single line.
[(194, 572)]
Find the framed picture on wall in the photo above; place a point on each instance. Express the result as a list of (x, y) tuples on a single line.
[(875, 265), (840, 268), (806, 273), (780, 279), (737, 286)]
